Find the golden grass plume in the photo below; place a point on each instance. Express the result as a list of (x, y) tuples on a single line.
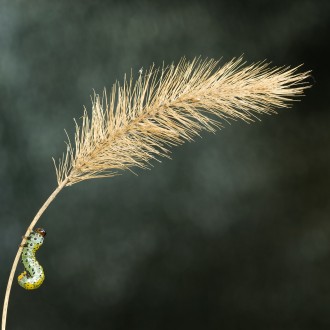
[(167, 106)]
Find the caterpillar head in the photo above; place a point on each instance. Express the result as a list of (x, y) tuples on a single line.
[(41, 231)]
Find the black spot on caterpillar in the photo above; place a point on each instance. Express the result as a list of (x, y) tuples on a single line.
[(33, 274)]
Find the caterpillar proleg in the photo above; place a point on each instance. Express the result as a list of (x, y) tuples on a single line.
[(33, 274)]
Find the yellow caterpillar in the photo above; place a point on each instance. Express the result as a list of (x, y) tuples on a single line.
[(33, 274)]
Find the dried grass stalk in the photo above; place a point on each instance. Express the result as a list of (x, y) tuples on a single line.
[(165, 107)]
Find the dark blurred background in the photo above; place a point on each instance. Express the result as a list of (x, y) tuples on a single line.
[(233, 233)]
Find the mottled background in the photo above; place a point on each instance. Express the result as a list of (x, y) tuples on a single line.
[(233, 233)]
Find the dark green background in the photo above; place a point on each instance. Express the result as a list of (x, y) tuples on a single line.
[(233, 233)]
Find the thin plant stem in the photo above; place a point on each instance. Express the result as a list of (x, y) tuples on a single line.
[(18, 254), (165, 107)]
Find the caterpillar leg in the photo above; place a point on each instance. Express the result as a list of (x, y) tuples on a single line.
[(25, 244)]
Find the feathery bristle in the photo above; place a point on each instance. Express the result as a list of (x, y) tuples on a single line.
[(165, 107)]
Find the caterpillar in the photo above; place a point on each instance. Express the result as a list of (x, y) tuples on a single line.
[(33, 274)]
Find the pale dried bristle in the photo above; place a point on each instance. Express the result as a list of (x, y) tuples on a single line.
[(165, 107)]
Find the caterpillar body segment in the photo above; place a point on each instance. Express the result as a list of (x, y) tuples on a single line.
[(33, 274)]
